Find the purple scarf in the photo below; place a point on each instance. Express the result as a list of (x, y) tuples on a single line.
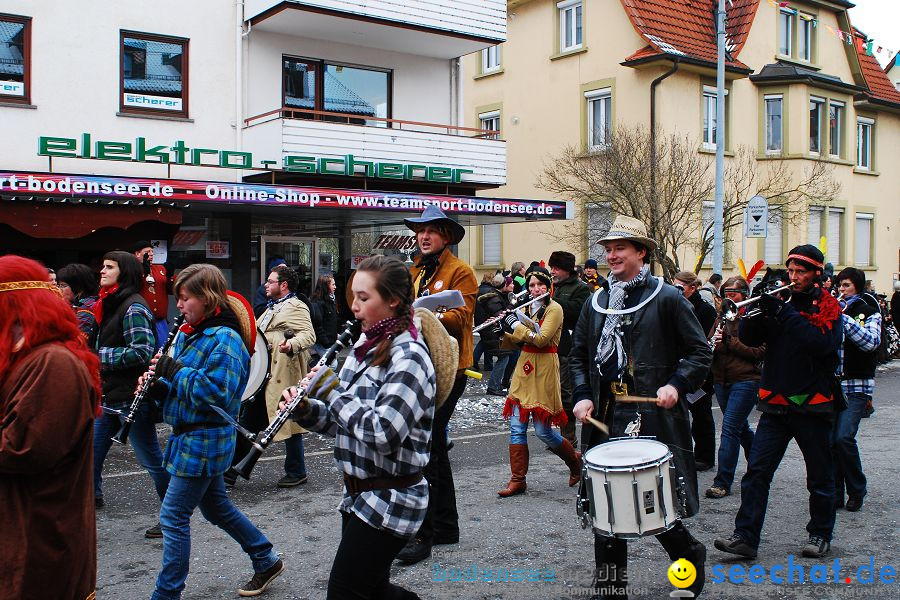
[(378, 332)]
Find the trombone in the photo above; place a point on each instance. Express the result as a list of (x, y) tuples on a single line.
[(731, 310)]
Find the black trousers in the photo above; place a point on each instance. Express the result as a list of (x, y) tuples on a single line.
[(565, 388), (442, 517), (362, 565), (703, 430)]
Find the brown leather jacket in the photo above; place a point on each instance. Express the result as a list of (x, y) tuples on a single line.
[(732, 360), (454, 274)]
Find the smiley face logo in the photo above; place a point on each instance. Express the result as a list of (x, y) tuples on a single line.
[(682, 573)]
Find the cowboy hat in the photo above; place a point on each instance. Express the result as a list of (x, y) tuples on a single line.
[(444, 351), (631, 229), (435, 216), (246, 321)]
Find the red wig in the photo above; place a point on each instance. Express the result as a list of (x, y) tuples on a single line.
[(42, 314)]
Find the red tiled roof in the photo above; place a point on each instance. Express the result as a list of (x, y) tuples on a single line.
[(688, 28), (880, 87)]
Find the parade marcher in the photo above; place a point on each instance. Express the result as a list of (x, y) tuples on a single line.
[(534, 394), (485, 287), (382, 425), (49, 395), (493, 303), (735, 371), (591, 277), (125, 343), (658, 350), (570, 293), (703, 427), (437, 269), (209, 366), (518, 274), (260, 300), (155, 289), (862, 336), (79, 286), (797, 401), (323, 312), (289, 361), (709, 291)]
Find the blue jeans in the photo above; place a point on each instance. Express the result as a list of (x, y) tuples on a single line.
[(496, 380), (294, 462), (183, 496), (518, 429), (847, 465), (142, 438), (480, 351), (736, 401), (774, 432)]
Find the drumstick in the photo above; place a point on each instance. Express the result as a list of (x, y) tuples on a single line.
[(630, 398), (601, 426)]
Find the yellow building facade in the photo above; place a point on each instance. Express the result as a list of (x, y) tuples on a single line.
[(797, 91)]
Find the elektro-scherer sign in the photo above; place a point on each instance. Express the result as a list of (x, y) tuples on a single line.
[(137, 190), (180, 154)]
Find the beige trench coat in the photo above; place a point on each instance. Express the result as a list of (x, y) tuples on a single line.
[(287, 369)]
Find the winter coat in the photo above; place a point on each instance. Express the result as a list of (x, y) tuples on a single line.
[(734, 361), (492, 303), (665, 345), (570, 294)]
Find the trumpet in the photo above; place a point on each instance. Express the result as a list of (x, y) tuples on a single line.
[(732, 310), (499, 316), (260, 441)]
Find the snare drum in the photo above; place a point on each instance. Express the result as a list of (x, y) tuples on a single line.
[(630, 487), (260, 369)]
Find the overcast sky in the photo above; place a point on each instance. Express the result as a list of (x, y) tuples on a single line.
[(879, 19)]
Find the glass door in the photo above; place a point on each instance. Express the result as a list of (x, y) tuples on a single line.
[(298, 253)]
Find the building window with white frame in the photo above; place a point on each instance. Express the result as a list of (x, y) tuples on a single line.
[(773, 124), (785, 32), (570, 29), (814, 225), (815, 124), (490, 244), (864, 128), (709, 116), (599, 220), (804, 37), (835, 128), (490, 59), (490, 121), (773, 254), (599, 115), (863, 239), (835, 235)]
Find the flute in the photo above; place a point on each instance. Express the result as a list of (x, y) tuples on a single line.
[(128, 420), (260, 441), (499, 316)]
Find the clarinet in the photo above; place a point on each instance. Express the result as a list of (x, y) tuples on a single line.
[(122, 435), (260, 441)]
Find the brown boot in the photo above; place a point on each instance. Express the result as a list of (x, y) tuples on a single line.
[(572, 458), (518, 464)]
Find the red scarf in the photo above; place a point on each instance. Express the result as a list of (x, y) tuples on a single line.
[(98, 305), (829, 311), (192, 328)]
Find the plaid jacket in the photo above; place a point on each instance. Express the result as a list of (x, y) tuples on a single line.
[(382, 428), (216, 368)]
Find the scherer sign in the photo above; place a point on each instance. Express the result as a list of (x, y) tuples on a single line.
[(181, 154), (216, 192)]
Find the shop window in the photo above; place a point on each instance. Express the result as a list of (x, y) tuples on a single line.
[(154, 74), (835, 128), (355, 93), (599, 115), (774, 252), (774, 142), (490, 121), (15, 59), (490, 244), (570, 28), (815, 124), (490, 59), (864, 129), (863, 239), (709, 117)]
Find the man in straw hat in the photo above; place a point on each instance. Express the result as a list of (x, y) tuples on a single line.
[(797, 400), (436, 269), (639, 336)]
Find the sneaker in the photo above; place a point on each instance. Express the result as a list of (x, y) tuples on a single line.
[(291, 481), (415, 551), (496, 392), (717, 492), (854, 503), (154, 533), (260, 581), (98, 502), (736, 545), (816, 547)]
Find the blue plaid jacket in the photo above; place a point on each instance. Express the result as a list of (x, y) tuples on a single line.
[(216, 368)]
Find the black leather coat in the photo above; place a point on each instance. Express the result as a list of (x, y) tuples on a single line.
[(666, 345)]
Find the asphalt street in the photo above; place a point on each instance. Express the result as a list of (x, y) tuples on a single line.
[(529, 546)]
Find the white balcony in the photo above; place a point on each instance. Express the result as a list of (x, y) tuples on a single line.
[(436, 28), (395, 141)]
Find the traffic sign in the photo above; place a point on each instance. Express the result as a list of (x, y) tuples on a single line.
[(756, 217)]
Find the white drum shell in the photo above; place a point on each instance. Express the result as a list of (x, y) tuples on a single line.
[(260, 368), (630, 500)]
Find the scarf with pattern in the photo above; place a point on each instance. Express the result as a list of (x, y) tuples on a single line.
[(611, 337), (377, 332)]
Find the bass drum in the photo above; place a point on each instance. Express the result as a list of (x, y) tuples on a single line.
[(260, 369)]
